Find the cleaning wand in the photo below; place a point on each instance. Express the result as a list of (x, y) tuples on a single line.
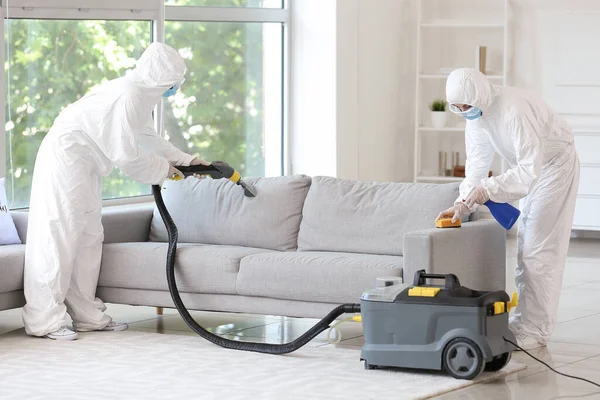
[(218, 170)]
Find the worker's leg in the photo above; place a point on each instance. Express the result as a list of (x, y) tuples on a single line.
[(56, 220), (543, 242), (86, 310)]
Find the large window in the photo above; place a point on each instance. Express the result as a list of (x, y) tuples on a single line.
[(230, 108), (52, 63)]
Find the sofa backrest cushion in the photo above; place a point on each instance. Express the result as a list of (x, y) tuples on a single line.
[(215, 211), (369, 217)]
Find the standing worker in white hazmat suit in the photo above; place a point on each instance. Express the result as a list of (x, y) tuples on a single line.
[(110, 126), (544, 175)]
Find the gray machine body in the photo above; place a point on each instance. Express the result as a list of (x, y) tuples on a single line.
[(412, 331)]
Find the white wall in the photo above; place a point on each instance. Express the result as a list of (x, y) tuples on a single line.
[(361, 138), (313, 87), (526, 68), (348, 107), (374, 102)]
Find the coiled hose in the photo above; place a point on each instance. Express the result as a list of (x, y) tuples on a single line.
[(216, 339)]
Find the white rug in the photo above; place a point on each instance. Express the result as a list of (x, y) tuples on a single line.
[(139, 365)]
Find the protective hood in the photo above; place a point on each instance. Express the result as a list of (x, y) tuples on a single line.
[(158, 68), (469, 86), (116, 114)]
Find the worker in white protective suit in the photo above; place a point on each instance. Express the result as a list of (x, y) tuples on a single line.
[(110, 126), (544, 175)]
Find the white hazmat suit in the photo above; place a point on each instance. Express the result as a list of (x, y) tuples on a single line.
[(111, 126), (544, 175)]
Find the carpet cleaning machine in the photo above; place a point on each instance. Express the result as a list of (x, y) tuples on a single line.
[(420, 325)]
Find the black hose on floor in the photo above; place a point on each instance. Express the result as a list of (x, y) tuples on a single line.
[(216, 339)]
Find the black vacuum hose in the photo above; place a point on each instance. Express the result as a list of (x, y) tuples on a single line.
[(216, 339)]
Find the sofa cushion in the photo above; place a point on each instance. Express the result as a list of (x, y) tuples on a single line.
[(199, 268), (369, 217), (215, 211), (314, 276), (12, 261)]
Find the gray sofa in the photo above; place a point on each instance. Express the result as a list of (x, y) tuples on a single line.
[(299, 248)]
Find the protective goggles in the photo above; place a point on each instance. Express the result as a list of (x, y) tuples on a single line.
[(456, 109), (178, 85)]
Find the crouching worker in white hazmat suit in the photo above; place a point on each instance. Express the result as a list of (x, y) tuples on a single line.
[(110, 126), (544, 175)]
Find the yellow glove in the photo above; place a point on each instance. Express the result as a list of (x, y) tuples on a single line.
[(175, 174)]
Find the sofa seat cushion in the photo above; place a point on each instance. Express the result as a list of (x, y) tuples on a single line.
[(12, 262), (198, 269), (369, 217), (215, 211), (314, 276)]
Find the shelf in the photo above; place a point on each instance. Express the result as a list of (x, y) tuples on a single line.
[(446, 129), (460, 24), (444, 76), (488, 26), (440, 178)]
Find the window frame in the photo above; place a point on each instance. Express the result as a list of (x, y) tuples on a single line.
[(156, 12)]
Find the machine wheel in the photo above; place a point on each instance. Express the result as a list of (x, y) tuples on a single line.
[(369, 366), (462, 359), (498, 362)]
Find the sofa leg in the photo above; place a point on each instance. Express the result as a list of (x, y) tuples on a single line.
[(159, 311)]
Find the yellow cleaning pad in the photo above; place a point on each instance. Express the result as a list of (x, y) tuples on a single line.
[(447, 223)]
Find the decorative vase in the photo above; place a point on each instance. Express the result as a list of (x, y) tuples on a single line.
[(438, 119)]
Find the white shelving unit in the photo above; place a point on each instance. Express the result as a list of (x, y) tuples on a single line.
[(448, 37)]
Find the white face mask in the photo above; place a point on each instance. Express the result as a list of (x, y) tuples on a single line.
[(472, 113)]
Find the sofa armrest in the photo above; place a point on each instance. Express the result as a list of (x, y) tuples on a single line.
[(129, 223), (475, 253)]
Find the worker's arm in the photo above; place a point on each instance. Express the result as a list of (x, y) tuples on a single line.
[(518, 181), (118, 141), (153, 143), (480, 156)]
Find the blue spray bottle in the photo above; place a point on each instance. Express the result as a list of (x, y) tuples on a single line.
[(504, 213)]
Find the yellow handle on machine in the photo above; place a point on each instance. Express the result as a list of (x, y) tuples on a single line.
[(513, 302)]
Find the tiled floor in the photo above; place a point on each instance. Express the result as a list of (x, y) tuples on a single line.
[(575, 346)]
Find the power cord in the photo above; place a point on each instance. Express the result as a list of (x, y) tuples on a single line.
[(538, 360)]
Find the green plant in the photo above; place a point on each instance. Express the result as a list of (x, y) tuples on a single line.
[(438, 105)]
